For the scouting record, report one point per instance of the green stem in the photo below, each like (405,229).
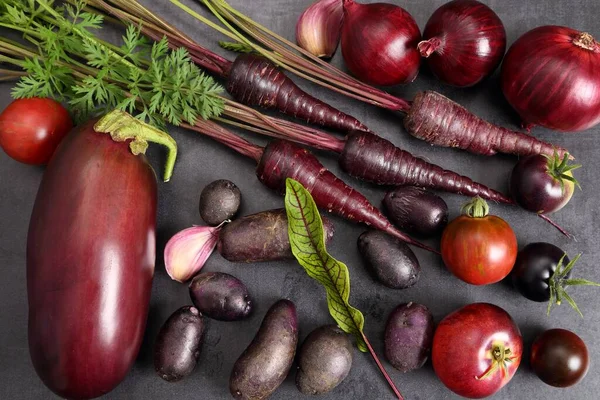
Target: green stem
(121,126)
(476,208)
(83,35)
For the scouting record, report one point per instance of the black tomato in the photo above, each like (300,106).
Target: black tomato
(535,265)
(559,358)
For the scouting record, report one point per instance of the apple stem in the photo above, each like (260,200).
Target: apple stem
(381,368)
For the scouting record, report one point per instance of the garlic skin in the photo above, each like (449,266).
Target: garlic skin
(319,27)
(187,251)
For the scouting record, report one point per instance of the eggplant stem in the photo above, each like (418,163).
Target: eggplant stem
(122,126)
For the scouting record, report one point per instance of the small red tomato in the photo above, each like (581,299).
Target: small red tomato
(478,248)
(559,358)
(31,129)
(477,350)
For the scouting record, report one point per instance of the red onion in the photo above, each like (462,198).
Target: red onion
(551,76)
(464,42)
(379,43)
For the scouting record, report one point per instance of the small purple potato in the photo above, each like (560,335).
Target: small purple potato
(265,363)
(260,237)
(219,201)
(220,296)
(324,360)
(416,211)
(408,336)
(390,260)
(177,346)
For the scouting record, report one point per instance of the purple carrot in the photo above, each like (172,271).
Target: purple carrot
(438,120)
(374,159)
(253,80)
(281,160)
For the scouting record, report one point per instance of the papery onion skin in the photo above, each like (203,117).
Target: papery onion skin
(464,42)
(553,82)
(379,43)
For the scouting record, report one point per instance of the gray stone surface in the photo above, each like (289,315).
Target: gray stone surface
(202,161)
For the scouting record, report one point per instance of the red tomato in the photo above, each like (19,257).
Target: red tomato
(31,129)
(477,350)
(477,248)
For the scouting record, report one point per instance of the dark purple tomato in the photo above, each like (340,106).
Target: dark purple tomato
(542,184)
(535,265)
(559,358)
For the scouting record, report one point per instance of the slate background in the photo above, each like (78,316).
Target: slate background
(202,161)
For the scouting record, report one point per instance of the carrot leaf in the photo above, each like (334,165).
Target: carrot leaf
(307,240)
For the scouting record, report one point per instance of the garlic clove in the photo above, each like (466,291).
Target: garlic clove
(187,251)
(319,27)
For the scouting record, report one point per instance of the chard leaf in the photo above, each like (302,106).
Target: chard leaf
(307,239)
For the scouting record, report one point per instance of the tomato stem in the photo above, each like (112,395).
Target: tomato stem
(476,208)
(501,357)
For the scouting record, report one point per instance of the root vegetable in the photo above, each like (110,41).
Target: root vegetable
(409,336)
(438,120)
(261,237)
(391,261)
(416,211)
(267,360)
(324,360)
(219,201)
(220,296)
(177,346)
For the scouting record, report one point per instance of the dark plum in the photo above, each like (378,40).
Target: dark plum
(261,237)
(177,346)
(265,363)
(219,201)
(390,260)
(408,336)
(416,210)
(324,360)
(220,296)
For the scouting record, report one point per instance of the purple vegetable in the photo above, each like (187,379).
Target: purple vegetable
(220,296)
(409,336)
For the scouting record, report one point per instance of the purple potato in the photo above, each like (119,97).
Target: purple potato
(390,260)
(177,346)
(260,237)
(408,336)
(265,363)
(220,296)
(219,201)
(324,360)
(416,211)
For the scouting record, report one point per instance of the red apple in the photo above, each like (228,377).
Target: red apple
(477,350)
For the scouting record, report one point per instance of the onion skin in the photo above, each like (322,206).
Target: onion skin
(379,43)
(464,42)
(553,82)
(90,264)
